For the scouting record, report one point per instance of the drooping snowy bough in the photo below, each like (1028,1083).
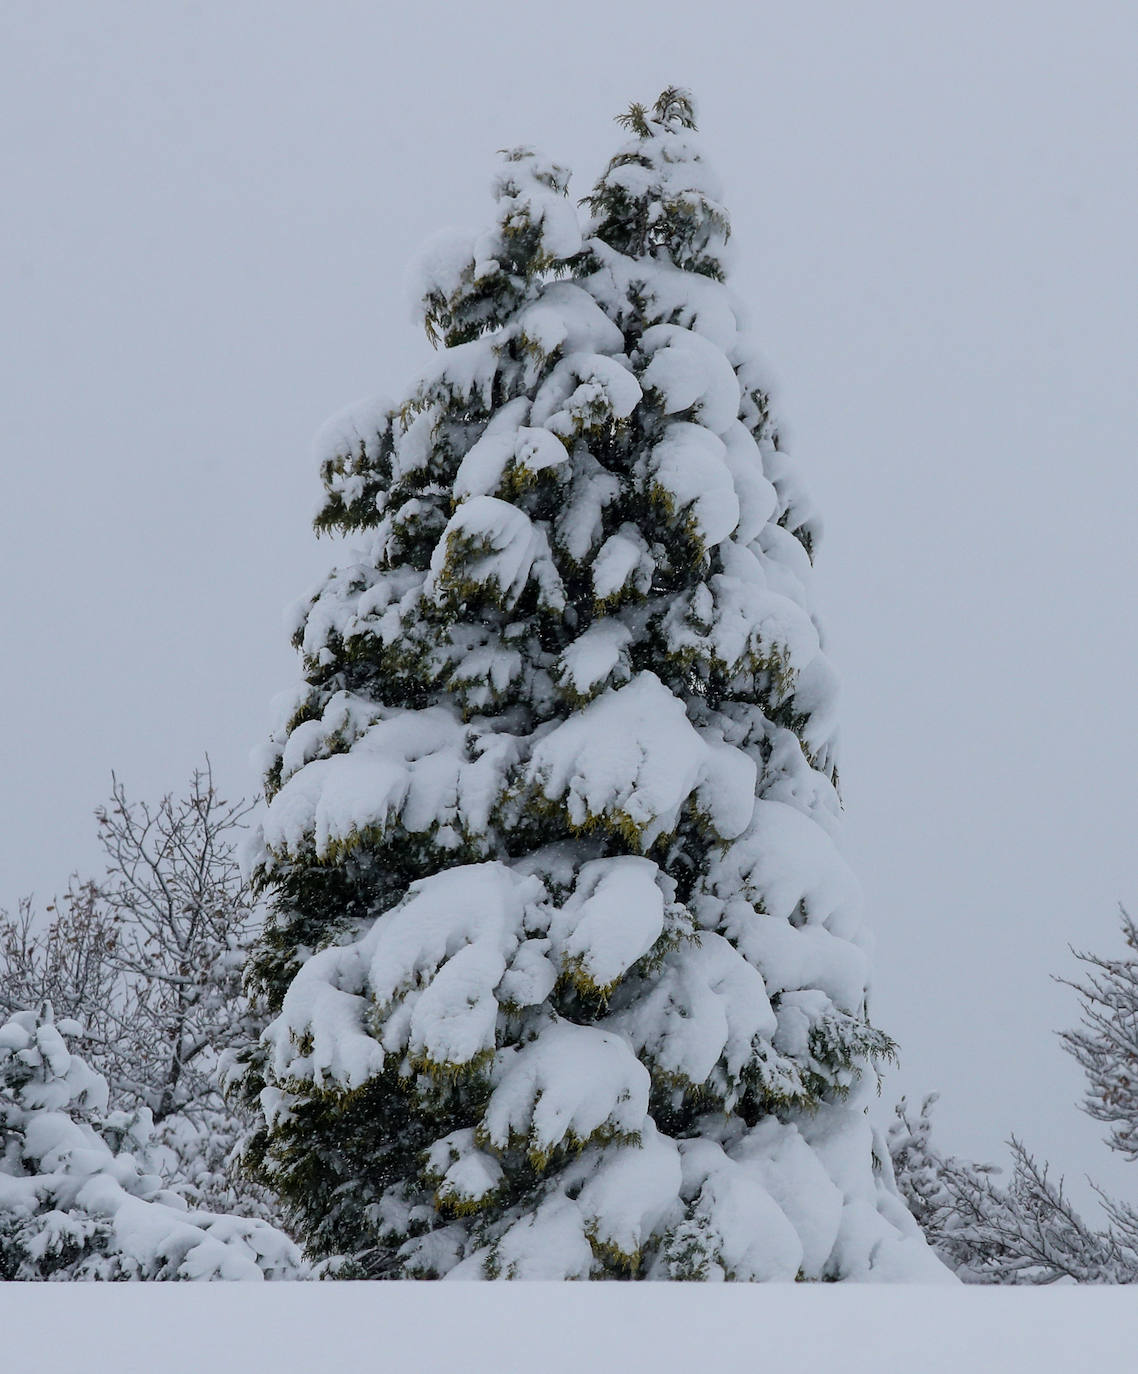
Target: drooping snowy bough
(568,973)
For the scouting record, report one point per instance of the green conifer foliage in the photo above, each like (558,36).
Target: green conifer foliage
(567,971)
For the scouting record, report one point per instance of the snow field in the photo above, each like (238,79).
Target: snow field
(427,1328)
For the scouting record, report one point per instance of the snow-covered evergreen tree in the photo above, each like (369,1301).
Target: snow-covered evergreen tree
(569,976)
(77,1197)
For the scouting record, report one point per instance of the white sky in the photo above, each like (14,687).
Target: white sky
(207,212)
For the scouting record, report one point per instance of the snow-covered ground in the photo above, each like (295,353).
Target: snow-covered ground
(511,1328)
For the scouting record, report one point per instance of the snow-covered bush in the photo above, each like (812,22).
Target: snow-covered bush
(77,1197)
(1105,1043)
(568,974)
(150,960)
(1029,1231)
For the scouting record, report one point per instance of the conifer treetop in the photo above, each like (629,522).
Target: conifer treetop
(657,197)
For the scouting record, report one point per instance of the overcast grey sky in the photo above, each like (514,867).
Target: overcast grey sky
(207,213)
